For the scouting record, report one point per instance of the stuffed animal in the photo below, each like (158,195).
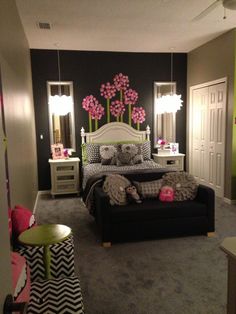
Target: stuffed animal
(132,194)
(108,154)
(166,194)
(129,154)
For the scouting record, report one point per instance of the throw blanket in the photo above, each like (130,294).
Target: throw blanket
(135,174)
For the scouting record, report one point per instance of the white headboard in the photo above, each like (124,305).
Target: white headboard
(114,132)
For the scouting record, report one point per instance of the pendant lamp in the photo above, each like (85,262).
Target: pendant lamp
(60,104)
(169,103)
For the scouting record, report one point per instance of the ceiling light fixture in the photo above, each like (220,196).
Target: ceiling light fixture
(60,104)
(169,103)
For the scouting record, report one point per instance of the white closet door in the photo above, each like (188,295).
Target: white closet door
(199,135)
(207,135)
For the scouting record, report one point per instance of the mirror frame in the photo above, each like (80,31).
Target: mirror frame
(163,122)
(58,83)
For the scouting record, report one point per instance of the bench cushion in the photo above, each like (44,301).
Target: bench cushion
(151,209)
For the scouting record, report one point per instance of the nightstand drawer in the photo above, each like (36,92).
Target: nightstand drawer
(65,168)
(66,187)
(64,177)
(172,161)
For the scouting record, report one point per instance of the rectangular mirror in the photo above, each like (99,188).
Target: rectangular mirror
(61,114)
(164,124)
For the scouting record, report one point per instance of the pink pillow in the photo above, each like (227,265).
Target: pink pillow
(22,219)
(21,278)
(166,194)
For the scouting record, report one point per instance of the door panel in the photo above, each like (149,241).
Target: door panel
(219,179)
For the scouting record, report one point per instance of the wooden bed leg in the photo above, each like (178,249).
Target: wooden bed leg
(106,244)
(211,234)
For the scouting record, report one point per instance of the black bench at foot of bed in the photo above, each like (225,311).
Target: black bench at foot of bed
(153,218)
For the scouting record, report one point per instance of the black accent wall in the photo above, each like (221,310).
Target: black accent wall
(88,70)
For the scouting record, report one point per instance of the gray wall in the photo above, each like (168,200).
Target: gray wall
(20,127)
(209,62)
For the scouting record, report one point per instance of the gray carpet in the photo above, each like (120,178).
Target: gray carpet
(179,275)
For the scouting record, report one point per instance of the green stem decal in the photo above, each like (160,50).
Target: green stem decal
(90,123)
(121,95)
(121,99)
(129,114)
(96,124)
(117,118)
(108,110)
(138,126)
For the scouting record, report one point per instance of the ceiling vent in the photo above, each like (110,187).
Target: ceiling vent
(44,25)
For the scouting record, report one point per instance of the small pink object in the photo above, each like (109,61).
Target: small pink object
(166,194)
(21,278)
(66,153)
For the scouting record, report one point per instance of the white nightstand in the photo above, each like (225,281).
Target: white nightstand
(173,161)
(64,176)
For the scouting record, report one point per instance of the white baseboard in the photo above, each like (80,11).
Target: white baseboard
(37,197)
(229,201)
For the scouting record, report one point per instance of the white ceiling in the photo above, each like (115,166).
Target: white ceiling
(122,25)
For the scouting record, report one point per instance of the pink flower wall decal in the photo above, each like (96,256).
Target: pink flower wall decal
(108,91)
(96,114)
(121,83)
(89,102)
(95,110)
(117,109)
(138,115)
(131,97)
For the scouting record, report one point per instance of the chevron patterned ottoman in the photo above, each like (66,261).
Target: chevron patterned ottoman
(62,260)
(56,296)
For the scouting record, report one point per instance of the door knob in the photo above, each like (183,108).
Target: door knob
(10,306)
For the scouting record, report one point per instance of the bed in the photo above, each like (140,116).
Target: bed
(121,136)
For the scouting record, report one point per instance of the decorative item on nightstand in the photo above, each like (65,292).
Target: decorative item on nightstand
(161,143)
(57,151)
(174,148)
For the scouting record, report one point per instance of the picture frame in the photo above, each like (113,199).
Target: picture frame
(57,151)
(174,148)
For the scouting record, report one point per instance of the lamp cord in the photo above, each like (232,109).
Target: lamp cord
(59,71)
(171,72)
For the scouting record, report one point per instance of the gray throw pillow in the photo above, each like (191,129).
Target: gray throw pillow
(184,184)
(149,189)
